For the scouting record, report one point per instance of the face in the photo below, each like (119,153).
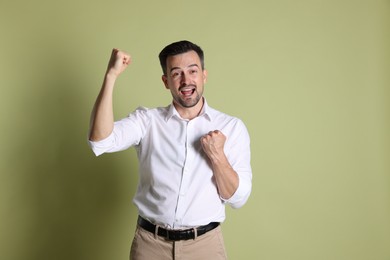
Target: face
(185,79)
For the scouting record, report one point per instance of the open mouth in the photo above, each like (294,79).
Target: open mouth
(187,91)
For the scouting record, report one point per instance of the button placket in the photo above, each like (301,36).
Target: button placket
(190,151)
(180,208)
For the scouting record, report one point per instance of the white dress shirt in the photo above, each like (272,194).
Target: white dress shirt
(176,187)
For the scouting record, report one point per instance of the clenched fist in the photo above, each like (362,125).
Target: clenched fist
(213,144)
(118,62)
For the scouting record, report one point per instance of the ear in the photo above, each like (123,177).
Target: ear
(165,80)
(204,76)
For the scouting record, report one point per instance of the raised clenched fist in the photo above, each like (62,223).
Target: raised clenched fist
(213,143)
(118,62)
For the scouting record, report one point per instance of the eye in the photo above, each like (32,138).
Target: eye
(175,74)
(193,71)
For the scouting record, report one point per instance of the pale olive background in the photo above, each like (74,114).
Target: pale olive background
(309,78)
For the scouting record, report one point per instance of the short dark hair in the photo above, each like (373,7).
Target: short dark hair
(179,48)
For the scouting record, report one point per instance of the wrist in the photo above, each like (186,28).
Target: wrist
(218,158)
(111,75)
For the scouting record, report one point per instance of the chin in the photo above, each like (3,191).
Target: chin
(191,103)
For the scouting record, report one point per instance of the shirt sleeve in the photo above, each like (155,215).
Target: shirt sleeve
(239,155)
(127,132)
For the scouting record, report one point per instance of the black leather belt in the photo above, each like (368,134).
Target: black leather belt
(176,235)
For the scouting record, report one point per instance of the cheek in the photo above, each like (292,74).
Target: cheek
(170,84)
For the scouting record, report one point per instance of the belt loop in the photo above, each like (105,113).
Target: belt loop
(156,231)
(195,233)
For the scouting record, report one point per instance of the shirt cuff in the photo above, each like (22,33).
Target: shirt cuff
(241,195)
(102,146)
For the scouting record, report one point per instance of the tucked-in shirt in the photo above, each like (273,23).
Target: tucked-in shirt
(176,186)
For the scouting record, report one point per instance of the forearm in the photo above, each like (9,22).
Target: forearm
(102,117)
(225,176)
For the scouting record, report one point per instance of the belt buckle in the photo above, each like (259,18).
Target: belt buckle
(171,235)
(178,235)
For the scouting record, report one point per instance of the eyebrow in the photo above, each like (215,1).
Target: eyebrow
(192,65)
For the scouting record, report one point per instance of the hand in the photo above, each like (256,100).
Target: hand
(118,62)
(213,144)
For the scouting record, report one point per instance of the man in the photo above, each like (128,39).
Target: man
(192,159)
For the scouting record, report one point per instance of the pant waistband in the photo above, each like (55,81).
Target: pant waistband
(176,235)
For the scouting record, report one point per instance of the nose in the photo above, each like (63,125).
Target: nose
(184,79)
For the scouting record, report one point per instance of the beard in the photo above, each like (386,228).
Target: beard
(188,102)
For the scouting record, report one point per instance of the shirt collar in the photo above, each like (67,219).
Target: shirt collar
(207,111)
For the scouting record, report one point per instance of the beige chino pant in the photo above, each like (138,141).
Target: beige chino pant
(147,246)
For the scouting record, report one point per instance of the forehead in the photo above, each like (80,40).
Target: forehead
(183,60)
